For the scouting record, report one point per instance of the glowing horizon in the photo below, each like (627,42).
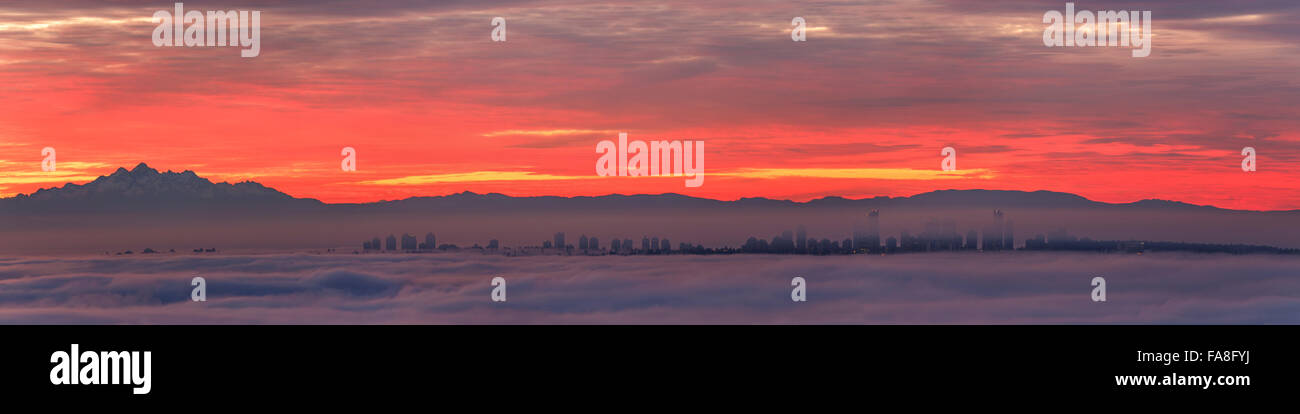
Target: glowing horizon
(861,109)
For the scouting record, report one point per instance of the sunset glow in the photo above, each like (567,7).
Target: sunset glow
(861,109)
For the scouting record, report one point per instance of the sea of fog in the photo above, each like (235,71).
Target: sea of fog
(941,288)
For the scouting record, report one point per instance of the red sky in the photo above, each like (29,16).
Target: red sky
(861,109)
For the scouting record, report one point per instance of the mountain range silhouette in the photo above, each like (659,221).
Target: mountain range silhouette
(143,187)
(145,207)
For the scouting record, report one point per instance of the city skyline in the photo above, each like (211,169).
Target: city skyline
(938,236)
(929,241)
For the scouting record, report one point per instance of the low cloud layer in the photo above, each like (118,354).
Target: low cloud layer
(972,288)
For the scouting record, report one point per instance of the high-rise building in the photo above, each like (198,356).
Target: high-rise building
(972,240)
(1008,239)
(801,240)
(593,243)
(665,246)
(873,232)
(559,240)
(582,242)
(627,245)
(906,242)
(431,241)
(784,243)
(390,243)
(993,234)
(992,240)
(645,243)
(931,236)
(998,228)
(375,244)
(950,239)
(654,243)
(859,234)
(408,242)
(494,244)
(614,246)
